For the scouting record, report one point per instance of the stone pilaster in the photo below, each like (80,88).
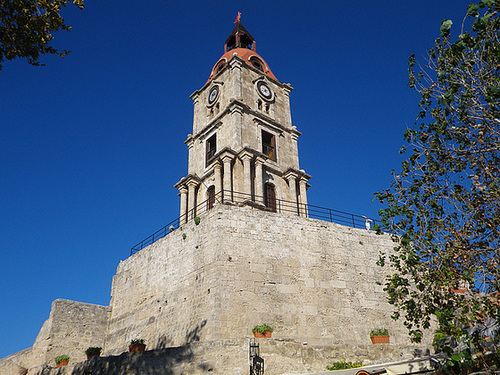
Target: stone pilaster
(291,177)
(183,193)
(246,158)
(218,182)
(227,160)
(259,183)
(191,199)
(303,197)
(191,155)
(235,65)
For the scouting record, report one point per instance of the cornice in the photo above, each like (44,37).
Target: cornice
(190,178)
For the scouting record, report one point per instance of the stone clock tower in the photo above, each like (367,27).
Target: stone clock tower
(195,293)
(243,149)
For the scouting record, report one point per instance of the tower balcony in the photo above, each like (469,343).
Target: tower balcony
(267,203)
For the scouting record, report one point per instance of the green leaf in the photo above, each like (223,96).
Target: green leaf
(472,10)
(445,27)
(486,3)
(493,91)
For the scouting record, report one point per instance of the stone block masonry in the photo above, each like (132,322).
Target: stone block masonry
(314,282)
(71,328)
(202,289)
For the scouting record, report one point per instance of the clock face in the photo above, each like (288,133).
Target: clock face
(265,90)
(214,93)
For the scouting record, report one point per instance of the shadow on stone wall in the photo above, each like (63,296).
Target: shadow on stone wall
(192,336)
(171,361)
(161,361)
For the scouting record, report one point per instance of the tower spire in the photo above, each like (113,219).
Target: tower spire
(239,37)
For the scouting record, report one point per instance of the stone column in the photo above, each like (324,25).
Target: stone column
(292,183)
(191,199)
(303,197)
(259,184)
(246,157)
(183,193)
(228,192)
(218,182)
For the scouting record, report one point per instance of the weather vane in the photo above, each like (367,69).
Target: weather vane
(237,18)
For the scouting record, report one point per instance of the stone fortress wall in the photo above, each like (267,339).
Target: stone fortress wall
(315,282)
(71,328)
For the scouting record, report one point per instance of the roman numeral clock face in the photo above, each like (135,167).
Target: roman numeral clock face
(264,90)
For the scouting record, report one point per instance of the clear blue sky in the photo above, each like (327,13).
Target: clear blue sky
(92,144)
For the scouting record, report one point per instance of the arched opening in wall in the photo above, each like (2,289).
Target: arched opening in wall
(270,196)
(210,197)
(257,64)
(219,67)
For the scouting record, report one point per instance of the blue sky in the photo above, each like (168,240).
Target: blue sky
(92,144)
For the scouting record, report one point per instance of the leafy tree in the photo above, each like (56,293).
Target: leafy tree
(443,207)
(26,28)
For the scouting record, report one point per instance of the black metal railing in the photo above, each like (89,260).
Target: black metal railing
(174,224)
(278,206)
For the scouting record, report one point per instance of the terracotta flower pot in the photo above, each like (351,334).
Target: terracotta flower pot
(265,335)
(62,363)
(137,348)
(380,339)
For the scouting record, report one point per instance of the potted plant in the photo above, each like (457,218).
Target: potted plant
(93,352)
(263,330)
(379,336)
(62,360)
(137,345)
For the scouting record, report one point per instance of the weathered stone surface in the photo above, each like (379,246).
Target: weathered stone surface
(159,362)
(314,282)
(71,328)
(16,364)
(255,142)
(222,357)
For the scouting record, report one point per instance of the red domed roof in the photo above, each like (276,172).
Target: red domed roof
(250,57)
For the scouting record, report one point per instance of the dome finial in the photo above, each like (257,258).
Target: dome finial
(237,18)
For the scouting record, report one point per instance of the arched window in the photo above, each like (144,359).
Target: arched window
(221,66)
(270,197)
(257,64)
(210,197)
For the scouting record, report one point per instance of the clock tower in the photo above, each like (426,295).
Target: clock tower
(243,149)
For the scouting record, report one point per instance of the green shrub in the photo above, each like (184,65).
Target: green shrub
(93,350)
(61,358)
(197,220)
(137,342)
(379,332)
(263,328)
(342,365)
(438,336)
